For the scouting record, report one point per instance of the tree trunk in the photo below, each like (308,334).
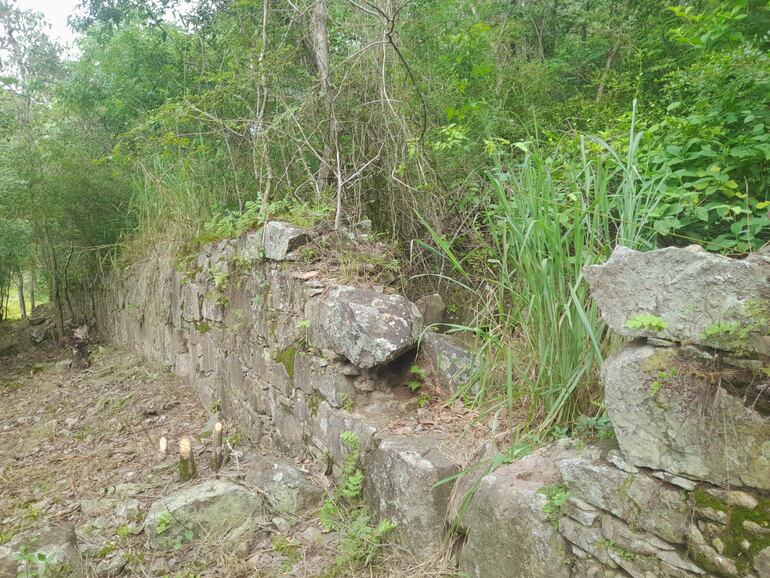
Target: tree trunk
(22,304)
(320,41)
(32,285)
(67,284)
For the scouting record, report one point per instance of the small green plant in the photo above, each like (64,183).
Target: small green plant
(344,512)
(593,427)
(423,400)
(661,379)
(419,377)
(646,321)
(228,224)
(163,523)
(38,564)
(302,324)
(555,496)
(346,402)
(721,329)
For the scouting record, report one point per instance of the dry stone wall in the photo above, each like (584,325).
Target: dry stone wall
(296,359)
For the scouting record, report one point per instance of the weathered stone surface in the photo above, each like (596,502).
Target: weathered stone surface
(57,546)
(452,362)
(402,472)
(679,425)
(647,503)
(762,563)
(432,309)
(313,373)
(288,489)
(507,532)
(215,508)
(367,327)
(281,238)
(700,297)
(328,423)
(589,539)
(697,544)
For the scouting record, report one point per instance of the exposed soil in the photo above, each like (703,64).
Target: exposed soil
(80,448)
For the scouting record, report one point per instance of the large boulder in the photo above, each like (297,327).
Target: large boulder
(214,509)
(401,486)
(506,529)
(281,238)
(686,295)
(670,413)
(367,327)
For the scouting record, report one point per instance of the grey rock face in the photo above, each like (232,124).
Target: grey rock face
(288,489)
(678,423)
(452,362)
(507,531)
(762,563)
(215,508)
(367,327)
(281,238)
(651,504)
(402,472)
(694,296)
(432,309)
(315,374)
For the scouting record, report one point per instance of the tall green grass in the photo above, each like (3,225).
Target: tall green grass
(541,340)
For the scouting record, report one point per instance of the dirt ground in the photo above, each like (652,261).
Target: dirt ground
(79,448)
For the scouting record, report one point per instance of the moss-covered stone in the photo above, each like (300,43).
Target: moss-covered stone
(736,535)
(286,357)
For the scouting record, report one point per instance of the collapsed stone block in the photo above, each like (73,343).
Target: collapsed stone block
(402,474)
(452,362)
(504,523)
(281,238)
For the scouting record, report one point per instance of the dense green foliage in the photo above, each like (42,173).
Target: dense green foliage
(514,141)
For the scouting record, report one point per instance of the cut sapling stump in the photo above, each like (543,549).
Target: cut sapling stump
(186,466)
(163,446)
(216,450)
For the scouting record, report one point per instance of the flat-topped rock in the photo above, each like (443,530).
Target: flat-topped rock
(52,552)
(367,327)
(281,238)
(686,295)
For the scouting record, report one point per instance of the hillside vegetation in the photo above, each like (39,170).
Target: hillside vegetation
(497,146)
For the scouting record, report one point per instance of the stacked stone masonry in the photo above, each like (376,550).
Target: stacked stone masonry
(683,492)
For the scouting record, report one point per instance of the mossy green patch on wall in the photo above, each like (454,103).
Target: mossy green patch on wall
(741,544)
(286,357)
(647,321)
